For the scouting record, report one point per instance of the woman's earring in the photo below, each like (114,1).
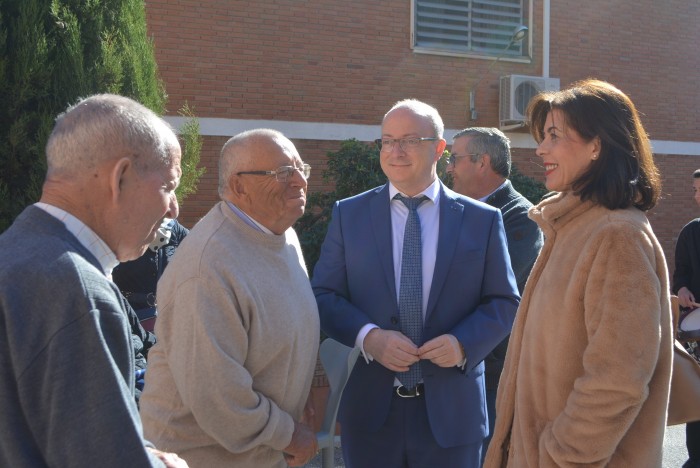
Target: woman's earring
(595,156)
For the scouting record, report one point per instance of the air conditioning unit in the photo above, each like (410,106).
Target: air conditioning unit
(516,92)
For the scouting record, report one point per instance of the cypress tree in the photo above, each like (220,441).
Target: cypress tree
(53,52)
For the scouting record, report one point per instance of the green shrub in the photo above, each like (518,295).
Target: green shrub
(528,187)
(191,142)
(353,169)
(53,52)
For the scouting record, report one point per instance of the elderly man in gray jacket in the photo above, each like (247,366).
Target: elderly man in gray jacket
(66,357)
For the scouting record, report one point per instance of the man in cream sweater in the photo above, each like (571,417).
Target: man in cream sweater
(238,328)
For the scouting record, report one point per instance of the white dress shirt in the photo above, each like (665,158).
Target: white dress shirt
(429,215)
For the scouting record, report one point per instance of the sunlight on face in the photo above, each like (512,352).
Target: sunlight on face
(565,154)
(413,170)
(277,205)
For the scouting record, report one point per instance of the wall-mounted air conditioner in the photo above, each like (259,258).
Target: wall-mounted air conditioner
(516,92)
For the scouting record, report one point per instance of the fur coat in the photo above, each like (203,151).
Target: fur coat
(587,375)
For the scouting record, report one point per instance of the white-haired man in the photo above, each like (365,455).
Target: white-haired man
(238,329)
(66,356)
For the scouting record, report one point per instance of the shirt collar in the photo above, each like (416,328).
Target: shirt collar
(432,191)
(247,219)
(85,236)
(483,199)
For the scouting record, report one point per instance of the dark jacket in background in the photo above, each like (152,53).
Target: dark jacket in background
(687,272)
(137,278)
(524,243)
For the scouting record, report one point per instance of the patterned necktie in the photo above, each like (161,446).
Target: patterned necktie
(411,286)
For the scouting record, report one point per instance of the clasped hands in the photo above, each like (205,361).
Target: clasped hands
(397,352)
(304,445)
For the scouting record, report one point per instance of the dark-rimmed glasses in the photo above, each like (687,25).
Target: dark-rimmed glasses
(406,144)
(452,160)
(283,173)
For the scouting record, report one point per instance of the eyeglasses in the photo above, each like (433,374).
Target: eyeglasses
(452,160)
(283,173)
(406,144)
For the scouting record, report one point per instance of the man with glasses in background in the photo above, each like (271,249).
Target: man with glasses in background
(480,165)
(418,277)
(238,328)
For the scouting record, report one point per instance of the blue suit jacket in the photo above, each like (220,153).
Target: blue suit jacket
(473,296)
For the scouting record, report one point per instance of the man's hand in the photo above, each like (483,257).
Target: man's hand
(303,446)
(443,351)
(171,460)
(686,298)
(391,349)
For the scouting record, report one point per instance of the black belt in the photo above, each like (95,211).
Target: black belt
(144,299)
(403,392)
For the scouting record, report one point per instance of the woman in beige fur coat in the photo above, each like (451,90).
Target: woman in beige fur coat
(587,375)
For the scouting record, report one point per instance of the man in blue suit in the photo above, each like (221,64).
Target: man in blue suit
(468,297)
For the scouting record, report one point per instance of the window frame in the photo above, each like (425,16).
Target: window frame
(526,56)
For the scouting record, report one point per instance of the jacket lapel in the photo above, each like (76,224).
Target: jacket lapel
(451,213)
(380,216)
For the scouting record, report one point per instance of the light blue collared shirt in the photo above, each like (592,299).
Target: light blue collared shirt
(429,214)
(247,219)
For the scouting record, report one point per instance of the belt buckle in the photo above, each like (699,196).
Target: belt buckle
(151,299)
(403,392)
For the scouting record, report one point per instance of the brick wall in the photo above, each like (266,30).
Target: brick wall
(332,60)
(347,62)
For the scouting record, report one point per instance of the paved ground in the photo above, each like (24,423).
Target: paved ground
(675,453)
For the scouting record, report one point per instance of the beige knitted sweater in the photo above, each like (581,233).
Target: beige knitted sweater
(587,375)
(238,335)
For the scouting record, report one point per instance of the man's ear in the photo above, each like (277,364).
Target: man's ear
(485,161)
(440,149)
(236,186)
(119,177)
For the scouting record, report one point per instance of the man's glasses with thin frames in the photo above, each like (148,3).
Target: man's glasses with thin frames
(452,160)
(406,144)
(283,173)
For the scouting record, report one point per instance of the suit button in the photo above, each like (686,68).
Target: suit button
(394,320)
